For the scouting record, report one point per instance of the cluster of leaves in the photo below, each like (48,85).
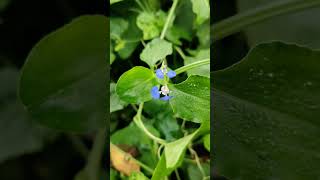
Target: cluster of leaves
(151,138)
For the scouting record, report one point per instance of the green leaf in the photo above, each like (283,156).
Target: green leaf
(119,26)
(200,55)
(134,86)
(203,34)
(18,135)
(175,33)
(151,23)
(175,151)
(156,50)
(114,1)
(202,9)
(164,120)
(191,99)
(131,36)
(206,142)
(161,170)
(185,20)
(125,35)
(194,172)
(63,82)
(303,25)
(115,103)
(267,109)
(137,176)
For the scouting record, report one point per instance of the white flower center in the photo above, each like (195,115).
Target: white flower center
(165,90)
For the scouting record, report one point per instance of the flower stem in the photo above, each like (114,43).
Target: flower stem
(168,20)
(192,65)
(238,22)
(139,123)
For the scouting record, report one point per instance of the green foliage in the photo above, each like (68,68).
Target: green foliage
(156,50)
(266,106)
(202,9)
(134,85)
(56,81)
(162,132)
(151,23)
(192,99)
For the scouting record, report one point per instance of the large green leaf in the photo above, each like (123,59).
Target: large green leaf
(156,50)
(64,80)
(191,99)
(267,115)
(134,86)
(300,27)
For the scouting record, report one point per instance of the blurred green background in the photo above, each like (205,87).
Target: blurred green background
(28,150)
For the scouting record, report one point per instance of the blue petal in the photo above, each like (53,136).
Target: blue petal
(159,74)
(171,74)
(155,92)
(166,98)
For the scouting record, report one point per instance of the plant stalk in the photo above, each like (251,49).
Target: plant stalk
(169,18)
(139,123)
(240,21)
(192,65)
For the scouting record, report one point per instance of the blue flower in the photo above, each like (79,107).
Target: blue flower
(171,74)
(155,92)
(160,73)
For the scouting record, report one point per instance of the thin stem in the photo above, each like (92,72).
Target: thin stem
(79,145)
(140,5)
(139,123)
(194,153)
(192,65)
(177,174)
(93,166)
(240,21)
(178,49)
(169,18)
(147,168)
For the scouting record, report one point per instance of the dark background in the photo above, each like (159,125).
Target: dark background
(22,24)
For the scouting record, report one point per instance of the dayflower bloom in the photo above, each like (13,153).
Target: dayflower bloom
(164,91)
(163,94)
(160,73)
